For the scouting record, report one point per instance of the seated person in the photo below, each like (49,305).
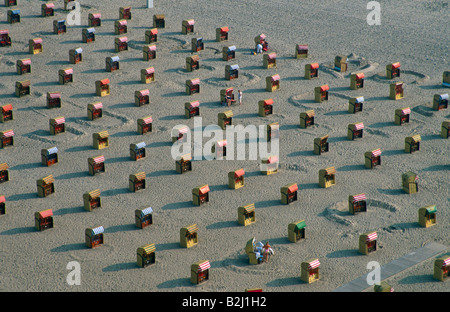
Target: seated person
(265,45)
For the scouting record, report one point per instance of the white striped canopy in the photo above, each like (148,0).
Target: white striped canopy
(376,152)
(359,197)
(204,266)
(98,230)
(60,120)
(146,211)
(314,264)
(52,150)
(148,120)
(359,126)
(98,105)
(8,133)
(406,111)
(371,237)
(99,159)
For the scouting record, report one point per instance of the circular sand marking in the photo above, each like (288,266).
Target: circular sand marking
(381,204)
(337,213)
(293,167)
(244,79)
(239,263)
(300,100)
(405,76)
(377,132)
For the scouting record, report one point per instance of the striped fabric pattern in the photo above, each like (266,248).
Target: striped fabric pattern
(203,266)
(194,104)
(204,189)
(148,120)
(150,70)
(98,159)
(406,111)
(330,170)
(59,120)
(359,126)
(48,179)
(359,197)
(94,194)
(144,92)
(139,176)
(52,150)
(8,133)
(4,166)
(148,249)
(191,229)
(314,264)
(98,105)
(446,262)
(195,81)
(376,152)
(275,77)
(97,230)
(146,211)
(103,134)
(371,237)
(249,208)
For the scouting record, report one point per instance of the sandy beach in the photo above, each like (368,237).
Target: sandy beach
(415,35)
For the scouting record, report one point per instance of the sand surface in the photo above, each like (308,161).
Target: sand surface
(412,32)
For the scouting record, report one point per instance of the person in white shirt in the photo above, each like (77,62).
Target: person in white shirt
(240,97)
(259,48)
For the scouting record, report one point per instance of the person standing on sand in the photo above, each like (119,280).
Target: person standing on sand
(240,97)
(266,251)
(259,48)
